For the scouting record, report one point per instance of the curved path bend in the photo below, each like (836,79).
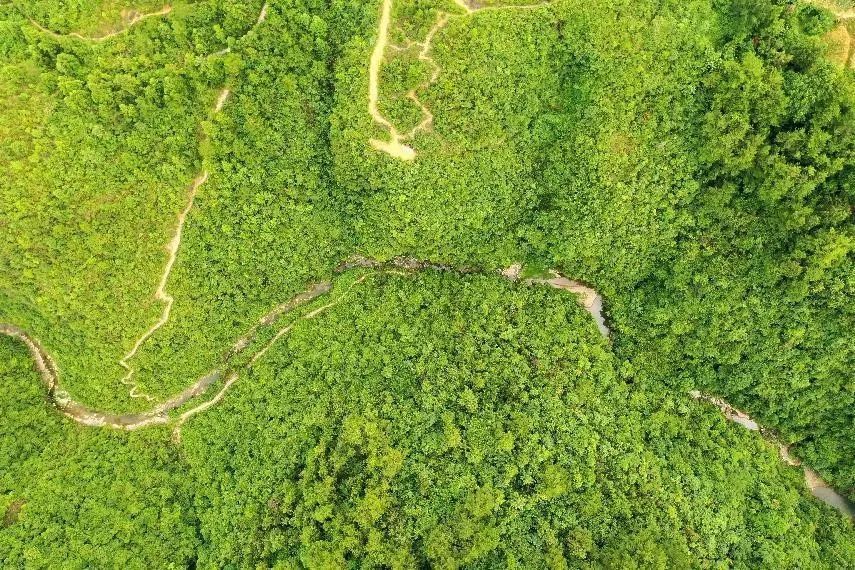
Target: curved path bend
(395,145)
(135,19)
(262,17)
(84,415)
(90,417)
(819,488)
(159,415)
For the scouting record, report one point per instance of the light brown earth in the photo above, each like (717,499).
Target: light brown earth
(839,44)
(395,145)
(840,41)
(131,19)
(819,488)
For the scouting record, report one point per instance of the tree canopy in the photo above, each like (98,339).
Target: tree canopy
(176,178)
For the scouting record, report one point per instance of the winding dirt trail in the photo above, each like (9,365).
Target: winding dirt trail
(158,414)
(818,488)
(160,294)
(402,265)
(424,55)
(588,298)
(135,19)
(395,145)
(314,292)
(86,416)
(262,17)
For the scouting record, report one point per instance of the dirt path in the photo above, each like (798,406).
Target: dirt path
(424,55)
(588,298)
(314,292)
(134,20)
(819,488)
(160,294)
(221,102)
(93,418)
(159,415)
(262,17)
(395,145)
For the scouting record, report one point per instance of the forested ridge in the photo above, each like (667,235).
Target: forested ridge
(693,162)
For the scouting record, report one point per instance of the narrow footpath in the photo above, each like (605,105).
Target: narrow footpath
(587,297)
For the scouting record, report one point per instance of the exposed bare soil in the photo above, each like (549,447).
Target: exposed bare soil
(395,145)
(131,18)
(819,488)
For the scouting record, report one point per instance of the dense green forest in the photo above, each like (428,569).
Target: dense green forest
(448,421)
(182,182)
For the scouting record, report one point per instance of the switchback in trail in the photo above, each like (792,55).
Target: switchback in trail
(159,415)
(395,145)
(132,20)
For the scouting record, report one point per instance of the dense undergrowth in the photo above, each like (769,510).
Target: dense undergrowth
(694,161)
(448,421)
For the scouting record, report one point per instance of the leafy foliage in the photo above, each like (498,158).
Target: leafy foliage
(83,497)
(692,160)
